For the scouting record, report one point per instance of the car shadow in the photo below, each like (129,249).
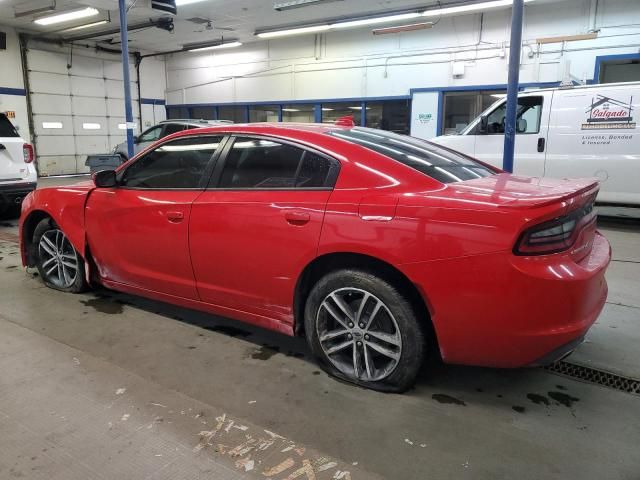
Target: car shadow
(444,383)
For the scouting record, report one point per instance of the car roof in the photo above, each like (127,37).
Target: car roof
(269,128)
(193,121)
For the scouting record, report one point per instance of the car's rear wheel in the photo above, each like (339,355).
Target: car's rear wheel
(365,331)
(59,264)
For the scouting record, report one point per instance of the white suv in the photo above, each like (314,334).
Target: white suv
(18,174)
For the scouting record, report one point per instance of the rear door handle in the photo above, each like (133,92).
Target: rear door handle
(175,217)
(541,143)
(297,218)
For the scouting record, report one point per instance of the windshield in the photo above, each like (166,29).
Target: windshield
(6,128)
(427,158)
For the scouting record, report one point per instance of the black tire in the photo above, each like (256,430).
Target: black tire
(397,309)
(78,283)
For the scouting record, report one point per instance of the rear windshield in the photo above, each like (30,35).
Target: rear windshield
(427,158)
(6,128)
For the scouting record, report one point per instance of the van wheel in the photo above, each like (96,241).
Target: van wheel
(363,330)
(59,264)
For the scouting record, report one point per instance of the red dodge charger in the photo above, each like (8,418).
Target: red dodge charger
(375,246)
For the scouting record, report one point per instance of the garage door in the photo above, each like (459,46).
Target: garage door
(77,110)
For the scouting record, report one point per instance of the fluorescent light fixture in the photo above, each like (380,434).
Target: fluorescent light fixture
(34,11)
(123,126)
(359,22)
(91,126)
(470,8)
(215,47)
(180,3)
(52,125)
(82,27)
(402,28)
(290,110)
(375,20)
(290,4)
(294,31)
(67,16)
(324,109)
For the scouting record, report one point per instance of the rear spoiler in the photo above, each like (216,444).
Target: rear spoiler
(581,196)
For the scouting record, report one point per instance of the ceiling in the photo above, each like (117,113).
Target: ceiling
(231,19)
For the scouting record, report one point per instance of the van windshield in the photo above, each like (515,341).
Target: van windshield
(432,160)
(6,127)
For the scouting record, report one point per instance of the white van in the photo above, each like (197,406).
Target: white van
(585,131)
(18,174)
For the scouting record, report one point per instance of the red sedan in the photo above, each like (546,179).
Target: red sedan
(375,246)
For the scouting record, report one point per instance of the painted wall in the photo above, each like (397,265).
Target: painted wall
(12,96)
(357,64)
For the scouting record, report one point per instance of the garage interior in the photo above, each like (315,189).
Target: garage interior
(108,385)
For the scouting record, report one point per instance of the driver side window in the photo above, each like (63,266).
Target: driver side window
(175,165)
(528,117)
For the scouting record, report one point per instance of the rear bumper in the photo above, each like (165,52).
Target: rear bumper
(559,353)
(14,193)
(499,310)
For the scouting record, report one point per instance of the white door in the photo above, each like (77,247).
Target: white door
(594,133)
(78,108)
(531,135)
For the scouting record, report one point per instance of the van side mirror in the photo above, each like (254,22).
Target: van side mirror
(483,126)
(521,125)
(105,179)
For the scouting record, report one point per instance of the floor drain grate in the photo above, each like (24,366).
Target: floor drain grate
(598,377)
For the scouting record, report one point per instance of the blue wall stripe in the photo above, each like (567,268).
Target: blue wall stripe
(13,91)
(292,102)
(153,101)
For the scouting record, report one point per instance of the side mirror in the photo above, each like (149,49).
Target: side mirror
(136,140)
(105,179)
(483,126)
(521,125)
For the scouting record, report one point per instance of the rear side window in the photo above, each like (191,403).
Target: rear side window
(174,165)
(6,127)
(172,128)
(263,164)
(440,164)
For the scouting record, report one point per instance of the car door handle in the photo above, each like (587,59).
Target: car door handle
(297,218)
(541,143)
(175,217)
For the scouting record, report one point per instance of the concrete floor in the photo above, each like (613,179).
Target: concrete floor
(107,386)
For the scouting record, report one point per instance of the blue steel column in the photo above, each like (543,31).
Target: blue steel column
(124,42)
(512,88)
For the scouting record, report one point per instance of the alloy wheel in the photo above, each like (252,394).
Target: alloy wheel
(59,260)
(359,334)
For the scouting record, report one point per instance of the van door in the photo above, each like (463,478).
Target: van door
(531,135)
(594,133)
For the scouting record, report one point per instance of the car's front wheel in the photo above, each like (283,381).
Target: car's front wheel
(59,264)
(365,331)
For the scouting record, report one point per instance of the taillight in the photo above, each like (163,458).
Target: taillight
(556,235)
(27,152)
